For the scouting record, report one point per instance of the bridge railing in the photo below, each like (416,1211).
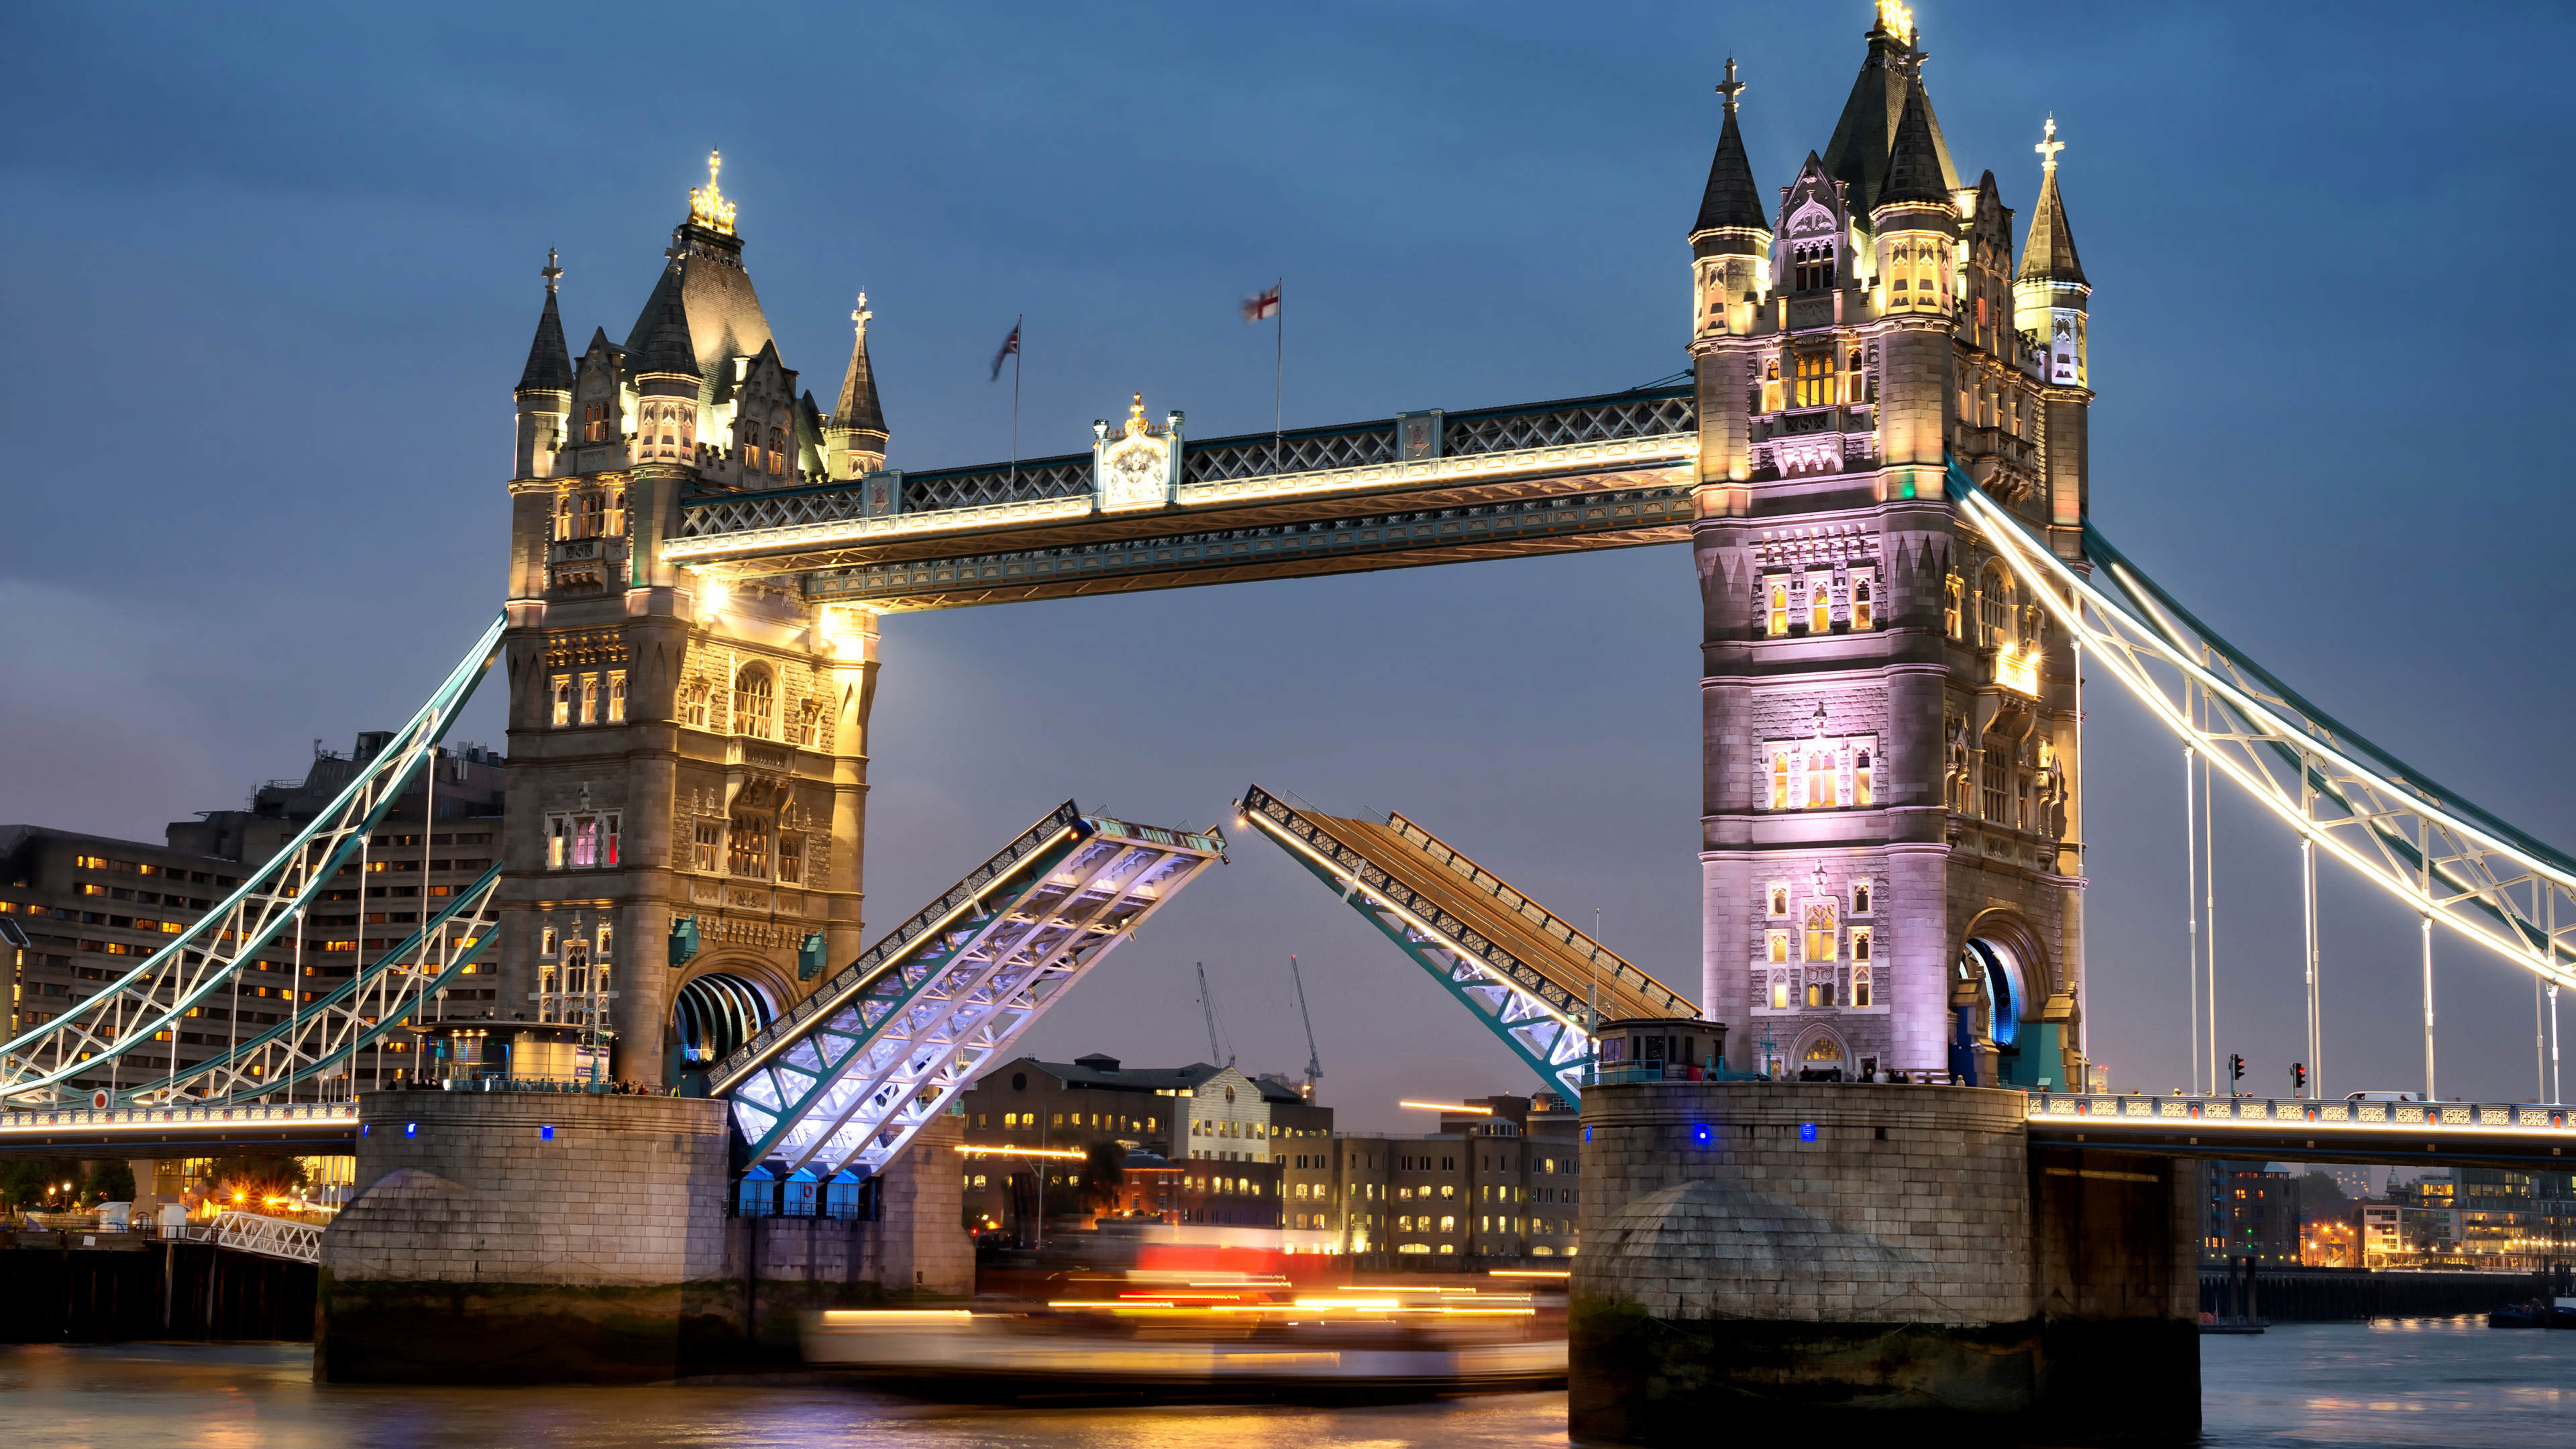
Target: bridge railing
(2445,1117)
(213,1118)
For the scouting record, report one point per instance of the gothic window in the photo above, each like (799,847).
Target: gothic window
(1860,898)
(616,526)
(2021,802)
(791,858)
(562,700)
(1950,594)
(1820,931)
(1813,266)
(558,844)
(755,702)
(1815,379)
(1820,613)
(1860,604)
(804,727)
(1820,993)
(777,452)
(1771,385)
(693,705)
(546,941)
(749,855)
(1995,791)
(1860,789)
(1779,947)
(617,696)
(594,422)
(589,710)
(563,515)
(1995,609)
(585,842)
(1779,610)
(594,514)
(1779,898)
(1820,777)
(1860,994)
(1779,991)
(708,836)
(1780,797)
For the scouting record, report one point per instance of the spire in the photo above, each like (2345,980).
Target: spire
(708,208)
(667,348)
(2048,255)
(1731,198)
(858,407)
(1890,76)
(549,366)
(1915,171)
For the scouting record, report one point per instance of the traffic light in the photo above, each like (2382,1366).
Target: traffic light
(2298,1079)
(2235,1069)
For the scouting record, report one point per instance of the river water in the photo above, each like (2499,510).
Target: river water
(2431,1382)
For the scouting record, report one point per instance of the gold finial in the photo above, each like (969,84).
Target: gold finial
(708,208)
(1732,87)
(860,314)
(1896,19)
(1136,424)
(2049,145)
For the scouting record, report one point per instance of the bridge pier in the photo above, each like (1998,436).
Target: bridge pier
(1876,1259)
(546,1237)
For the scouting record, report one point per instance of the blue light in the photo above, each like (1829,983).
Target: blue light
(411,1129)
(1587,1134)
(1699,1134)
(545,1134)
(366,1127)
(1806,1131)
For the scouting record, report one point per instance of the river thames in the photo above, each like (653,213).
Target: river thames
(2398,1382)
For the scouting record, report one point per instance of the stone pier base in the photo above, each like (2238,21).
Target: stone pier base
(1829,1260)
(530,1237)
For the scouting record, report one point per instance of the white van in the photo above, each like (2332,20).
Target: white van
(2379,1097)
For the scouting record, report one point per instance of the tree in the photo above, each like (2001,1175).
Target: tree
(110,1180)
(36,1182)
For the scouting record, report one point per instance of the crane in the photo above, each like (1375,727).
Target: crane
(1314,1064)
(1208,1005)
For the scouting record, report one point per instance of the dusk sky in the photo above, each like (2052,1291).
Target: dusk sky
(272,272)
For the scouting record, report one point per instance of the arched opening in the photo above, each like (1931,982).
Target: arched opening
(1994,971)
(711,1015)
(755,702)
(1822,1057)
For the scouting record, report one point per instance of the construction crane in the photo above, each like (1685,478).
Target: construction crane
(1314,1064)
(1208,1004)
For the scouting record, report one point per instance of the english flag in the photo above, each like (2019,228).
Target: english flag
(1263,307)
(1010,348)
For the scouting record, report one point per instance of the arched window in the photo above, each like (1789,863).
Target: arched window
(563,515)
(1860,604)
(1860,792)
(777,452)
(1779,948)
(1995,610)
(755,703)
(1812,267)
(1820,931)
(1820,778)
(1820,609)
(1780,785)
(1779,611)
(594,514)
(748,852)
(1951,592)
(693,706)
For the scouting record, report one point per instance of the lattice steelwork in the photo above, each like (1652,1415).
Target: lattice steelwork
(1537,983)
(1557,425)
(113,1032)
(1065,477)
(269,1237)
(318,1039)
(1306,452)
(2424,844)
(846,1078)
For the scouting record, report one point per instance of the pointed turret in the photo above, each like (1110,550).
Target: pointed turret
(2049,291)
(2049,254)
(1890,76)
(1916,171)
(1731,240)
(544,393)
(667,379)
(855,438)
(667,348)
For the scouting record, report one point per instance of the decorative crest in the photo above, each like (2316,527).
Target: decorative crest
(708,208)
(1731,87)
(1137,427)
(1897,19)
(860,314)
(2049,145)
(551,271)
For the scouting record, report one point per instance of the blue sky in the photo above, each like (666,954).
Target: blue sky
(271,273)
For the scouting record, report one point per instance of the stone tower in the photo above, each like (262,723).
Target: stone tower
(1891,854)
(688,755)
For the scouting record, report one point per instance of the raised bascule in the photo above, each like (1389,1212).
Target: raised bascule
(1879,466)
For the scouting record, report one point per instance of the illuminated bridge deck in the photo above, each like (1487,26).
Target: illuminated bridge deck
(192,1131)
(2513,1135)
(1605,472)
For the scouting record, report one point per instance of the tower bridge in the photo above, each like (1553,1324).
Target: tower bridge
(1879,466)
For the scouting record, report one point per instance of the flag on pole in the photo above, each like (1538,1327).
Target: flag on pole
(1263,307)
(1010,348)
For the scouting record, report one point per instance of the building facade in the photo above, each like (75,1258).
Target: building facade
(1892,847)
(688,760)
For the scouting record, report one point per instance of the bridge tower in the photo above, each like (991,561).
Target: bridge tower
(1892,841)
(688,758)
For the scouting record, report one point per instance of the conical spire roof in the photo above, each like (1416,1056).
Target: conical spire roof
(1731,198)
(1915,171)
(549,366)
(667,346)
(1889,77)
(2049,253)
(858,407)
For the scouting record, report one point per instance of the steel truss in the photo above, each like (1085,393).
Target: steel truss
(2429,847)
(123,1022)
(321,1037)
(269,1237)
(1546,1022)
(846,1078)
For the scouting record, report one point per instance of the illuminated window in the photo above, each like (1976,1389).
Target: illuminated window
(1860,604)
(1819,994)
(1995,609)
(585,841)
(791,858)
(1859,984)
(616,512)
(563,515)
(1950,592)
(1812,267)
(1820,931)
(594,422)
(558,844)
(1860,789)
(1814,382)
(1779,991)
(693,704)
(562,700)
(617,696)
(777,452)
(1771,386)
(1779,610)
(1779,943)
(1780,795)
(589,712)
(594,514)
(1820,610)
(546,941)
(755,702)
(748,854)
(709,836)
(1820,778)
(1995,790)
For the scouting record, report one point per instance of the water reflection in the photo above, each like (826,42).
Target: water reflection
(2395,1381)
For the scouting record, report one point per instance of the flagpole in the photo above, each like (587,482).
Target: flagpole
(1279,372)
(1017,355)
